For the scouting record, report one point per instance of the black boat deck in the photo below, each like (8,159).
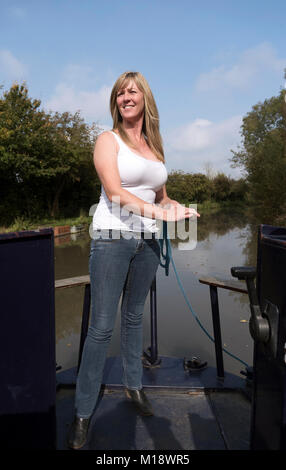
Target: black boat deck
(193,411)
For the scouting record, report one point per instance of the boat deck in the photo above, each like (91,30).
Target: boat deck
(193,411)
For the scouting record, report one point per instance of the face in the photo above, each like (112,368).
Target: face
(130,101)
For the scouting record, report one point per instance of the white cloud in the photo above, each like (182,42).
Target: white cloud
(79,90)
(195,144)
(11,68)
(93,105)
(251,66)
(204,141)
(80,76)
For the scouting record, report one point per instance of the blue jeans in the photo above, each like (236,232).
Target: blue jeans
(116,266)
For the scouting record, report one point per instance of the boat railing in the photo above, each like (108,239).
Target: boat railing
(151,357)
(214,284)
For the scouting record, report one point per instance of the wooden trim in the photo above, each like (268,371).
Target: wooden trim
(224,284)
(72,282)
(210,281)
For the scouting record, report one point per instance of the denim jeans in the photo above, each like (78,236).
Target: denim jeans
(116,266)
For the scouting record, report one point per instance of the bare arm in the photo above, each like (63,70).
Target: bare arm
(105,161)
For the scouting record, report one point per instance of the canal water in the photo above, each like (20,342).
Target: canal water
(223,240)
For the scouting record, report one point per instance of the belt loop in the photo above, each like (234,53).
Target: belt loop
(148,235)
(114,234)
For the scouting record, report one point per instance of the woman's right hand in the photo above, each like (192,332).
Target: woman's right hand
(178,212)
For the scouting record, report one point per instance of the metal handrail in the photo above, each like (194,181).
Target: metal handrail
(213,284)
(151,358)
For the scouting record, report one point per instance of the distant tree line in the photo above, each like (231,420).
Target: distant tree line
(46,165)
(197,187)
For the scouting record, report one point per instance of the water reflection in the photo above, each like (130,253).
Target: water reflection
(223,240)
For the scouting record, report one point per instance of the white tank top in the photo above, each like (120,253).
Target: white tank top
(139,176)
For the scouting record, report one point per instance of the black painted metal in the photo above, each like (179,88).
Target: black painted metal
(217,331)
(153,309)
(268,423)
(258,325)
(268,429)
(152,359)
(27,341)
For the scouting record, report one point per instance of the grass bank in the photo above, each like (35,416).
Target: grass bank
(20,223)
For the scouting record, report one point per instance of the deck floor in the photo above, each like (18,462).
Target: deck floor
(183,420)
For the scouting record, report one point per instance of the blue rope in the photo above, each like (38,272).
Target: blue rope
(167,257)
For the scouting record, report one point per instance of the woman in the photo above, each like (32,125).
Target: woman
(124,257)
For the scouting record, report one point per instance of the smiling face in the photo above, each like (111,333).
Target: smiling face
(130,101)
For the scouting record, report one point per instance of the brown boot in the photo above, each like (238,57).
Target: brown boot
(140,401)
(78,433)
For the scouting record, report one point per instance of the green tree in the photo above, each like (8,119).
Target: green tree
(201,187)
(188,187)
(41,155)
(70,156)
(176,186)
(263,157)
(238,190)
(221,187)
(20,124)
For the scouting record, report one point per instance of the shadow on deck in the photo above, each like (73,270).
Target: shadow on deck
(194,412)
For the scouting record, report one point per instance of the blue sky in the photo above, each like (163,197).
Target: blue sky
(207,63)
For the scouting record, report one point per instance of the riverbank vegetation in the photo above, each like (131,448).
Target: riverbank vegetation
(262,156)
(47,176)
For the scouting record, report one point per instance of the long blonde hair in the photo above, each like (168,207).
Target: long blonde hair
(150,126)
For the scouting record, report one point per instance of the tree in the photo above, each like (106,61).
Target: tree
(41,154)
(70,156)
(188,187)
(202,187)
(20,124)
(263,157)
(221,187)
(175,186)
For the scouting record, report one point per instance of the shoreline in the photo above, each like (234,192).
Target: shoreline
(21,224)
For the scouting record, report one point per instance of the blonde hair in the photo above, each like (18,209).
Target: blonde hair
(150,126)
